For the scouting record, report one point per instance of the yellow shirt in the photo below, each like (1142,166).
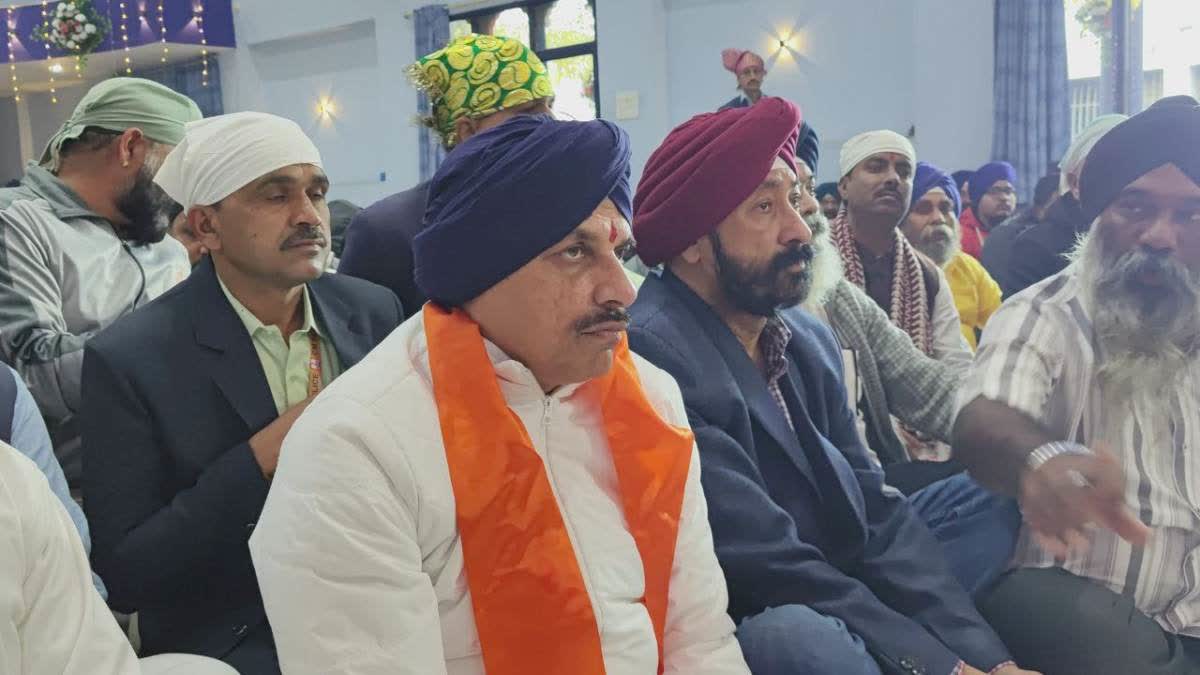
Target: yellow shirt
(285,362)
(976,295)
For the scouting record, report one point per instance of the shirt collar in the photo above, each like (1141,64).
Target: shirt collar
(773,344)
(517,381)
(253,325)
(65,201)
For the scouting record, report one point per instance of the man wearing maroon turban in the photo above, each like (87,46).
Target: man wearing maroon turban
(829,570)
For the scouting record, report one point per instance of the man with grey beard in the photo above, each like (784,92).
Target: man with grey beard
(1084,402)
(931,225)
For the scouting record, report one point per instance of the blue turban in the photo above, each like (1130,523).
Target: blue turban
(927,177)
(988,175)
(504,196)
(826,189)
(808,147)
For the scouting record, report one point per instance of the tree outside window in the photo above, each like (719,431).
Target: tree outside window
(562,33)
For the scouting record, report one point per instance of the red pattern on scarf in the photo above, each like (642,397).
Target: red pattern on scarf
(910,303)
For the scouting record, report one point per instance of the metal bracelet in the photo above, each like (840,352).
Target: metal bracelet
(1047,452)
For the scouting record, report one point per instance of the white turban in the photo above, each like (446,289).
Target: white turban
(220,155)
(870,143)
(1072,162)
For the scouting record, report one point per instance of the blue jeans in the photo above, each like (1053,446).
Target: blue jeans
(795,640)
(977,529)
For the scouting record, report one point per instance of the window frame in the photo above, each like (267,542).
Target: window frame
(537,10)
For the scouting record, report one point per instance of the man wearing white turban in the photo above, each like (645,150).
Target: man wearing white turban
(187,401)
(877,181)
(1041,251)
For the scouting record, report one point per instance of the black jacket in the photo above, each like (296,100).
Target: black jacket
(172,394)
(379,244)
(1041,251)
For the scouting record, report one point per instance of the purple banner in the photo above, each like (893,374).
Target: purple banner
(179,24)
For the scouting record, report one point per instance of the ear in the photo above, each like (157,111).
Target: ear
(842,183)
(694,253)
(464,128)
(131,147)
(204,223)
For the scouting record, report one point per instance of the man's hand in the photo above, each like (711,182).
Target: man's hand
(267,442)
(1070,493)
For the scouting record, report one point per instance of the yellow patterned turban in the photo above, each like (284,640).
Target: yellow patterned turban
(476,76)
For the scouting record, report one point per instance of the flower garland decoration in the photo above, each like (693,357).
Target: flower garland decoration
(74,27)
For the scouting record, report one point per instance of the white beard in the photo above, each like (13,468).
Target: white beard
(1146,348)
(826,264)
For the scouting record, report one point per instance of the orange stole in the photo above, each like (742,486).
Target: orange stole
(531,606)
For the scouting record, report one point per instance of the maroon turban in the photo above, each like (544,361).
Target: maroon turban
(704,169)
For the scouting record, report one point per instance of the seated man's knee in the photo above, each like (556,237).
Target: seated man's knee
(1057,622)
(795,640)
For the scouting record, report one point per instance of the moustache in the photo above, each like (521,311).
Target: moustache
(800,253)
(309,234)
(611,315)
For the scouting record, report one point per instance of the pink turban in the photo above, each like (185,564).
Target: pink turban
(732,59)
(704,169)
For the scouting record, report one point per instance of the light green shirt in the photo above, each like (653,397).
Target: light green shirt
(285,362)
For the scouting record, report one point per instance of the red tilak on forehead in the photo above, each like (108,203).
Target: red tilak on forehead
(612,232)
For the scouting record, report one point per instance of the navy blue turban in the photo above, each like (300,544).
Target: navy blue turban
(826,189)
(1162,134)
(927,177)
(961,178)
(988,175)
(808,148)
(504,196)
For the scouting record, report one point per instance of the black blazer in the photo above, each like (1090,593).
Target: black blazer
(379,244)
(172,394)
(803,517)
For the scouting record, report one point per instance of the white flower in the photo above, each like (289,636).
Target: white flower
(70,44)
(90,29)
(56,23)
(80,18)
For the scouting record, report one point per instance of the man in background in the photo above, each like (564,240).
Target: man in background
(750,70)
(379,238)
(830,199)
(82,240)
(993,189)
(932,227)
(996,256)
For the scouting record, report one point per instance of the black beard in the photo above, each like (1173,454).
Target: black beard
(760,290)
(146,206)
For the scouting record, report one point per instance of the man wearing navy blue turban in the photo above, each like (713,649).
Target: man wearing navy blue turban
(444,503)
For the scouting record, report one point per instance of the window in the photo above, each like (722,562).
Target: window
(1125,57)
(562,32)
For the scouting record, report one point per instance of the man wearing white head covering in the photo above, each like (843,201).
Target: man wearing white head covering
(188,400)
(876,186)
(1041,251)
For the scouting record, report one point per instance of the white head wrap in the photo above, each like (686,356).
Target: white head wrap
(1072,162)
(870,143)
(220,155)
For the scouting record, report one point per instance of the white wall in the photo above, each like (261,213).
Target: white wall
(864,64)
(353,51)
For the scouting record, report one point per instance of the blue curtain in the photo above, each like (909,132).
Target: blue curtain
(432,26)
(187,78)
(1032,106)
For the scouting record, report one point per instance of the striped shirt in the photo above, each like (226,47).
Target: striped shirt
(1039,355)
